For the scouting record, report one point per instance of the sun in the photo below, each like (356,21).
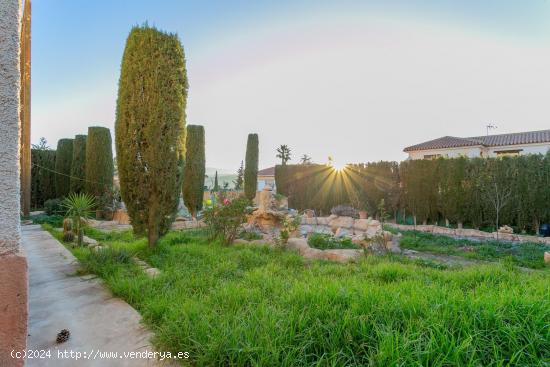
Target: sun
(339,166)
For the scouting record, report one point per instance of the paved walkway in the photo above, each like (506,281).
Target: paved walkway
(59,299)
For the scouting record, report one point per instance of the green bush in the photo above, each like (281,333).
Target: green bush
(323,241)
(99,161)
(193,178)
(63,162)
(53,206)
(42,176)
(224,220)
(251,167)
(150,129)
(78,166)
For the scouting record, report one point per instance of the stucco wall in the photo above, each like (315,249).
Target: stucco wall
(472,152)
(13,265)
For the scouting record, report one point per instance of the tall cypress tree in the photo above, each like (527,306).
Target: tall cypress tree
(251,167)
(63,162)
(216,185)
(150,129)
(193,178)
(78,167)
(99,161)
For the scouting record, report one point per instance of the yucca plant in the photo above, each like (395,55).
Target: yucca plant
(79,207)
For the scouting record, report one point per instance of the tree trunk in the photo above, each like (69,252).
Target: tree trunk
(152,237)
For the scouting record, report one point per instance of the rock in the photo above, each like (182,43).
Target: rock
(394,244)
(309,213)
(341,222)
(299,244)
(309,220)
(361,224)
(506,229)
(358,239)
(343,232)
(88,241)
(547,257)
(306,229)
(323,221)
(342,256)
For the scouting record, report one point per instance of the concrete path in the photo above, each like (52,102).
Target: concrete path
(59,299)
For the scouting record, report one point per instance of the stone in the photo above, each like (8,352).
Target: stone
(299,244)
(341,222)
(361,224)
(88,241)
(309,213)
(309,220)
(358,239)
(343,232)
(547,257)
(323,221)
(342,256)
(506,229)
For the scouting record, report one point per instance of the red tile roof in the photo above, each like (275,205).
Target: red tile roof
(267,171)
(529,137)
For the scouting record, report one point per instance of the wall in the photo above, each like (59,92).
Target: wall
(527,149)
(470,152)
(13,264)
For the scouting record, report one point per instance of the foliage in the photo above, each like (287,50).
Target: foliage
(379,311)
(529,255)
(99,161)
(53,206)
(108,202)
(193,178)
(216,186)
(63,162)
(250,236)
(42,144)
(251,167)
(284,153)
(78,166)
(224,220)
(324,241)
(68,234)
(288,226)
(150,129)
(42,177)
(239,181)
(55,220)
(79,207)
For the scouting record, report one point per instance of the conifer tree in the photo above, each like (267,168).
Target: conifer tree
(150,129)
(99,161)
(251,167)
(240,177)
(63,162)
(78,166)
(193,179)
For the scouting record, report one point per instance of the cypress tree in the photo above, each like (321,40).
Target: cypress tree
(78,167)
(251,167)
(42,176)
(239,181)
(150,129)
(216,185)
(99,161)
(63,162)
(193,178)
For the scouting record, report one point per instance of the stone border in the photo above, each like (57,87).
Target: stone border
(471,233)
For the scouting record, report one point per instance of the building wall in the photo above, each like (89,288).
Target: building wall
(472,152)
(13,264)
(264,181)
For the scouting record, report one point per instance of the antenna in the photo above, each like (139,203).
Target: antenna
(489,127)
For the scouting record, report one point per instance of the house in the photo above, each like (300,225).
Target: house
(266,177)
(530,142)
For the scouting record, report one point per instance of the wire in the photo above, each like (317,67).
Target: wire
(66,175)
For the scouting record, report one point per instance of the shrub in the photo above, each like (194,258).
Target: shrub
(326,242)
(288,226)
(79,207)
(63,162)
(251,167)
(150,129)
(42,176)
(225,220)
(78,166)
(53,206)
(193,178)
(99,161)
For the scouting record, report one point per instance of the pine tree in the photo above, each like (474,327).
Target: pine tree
(193,179)
(240,178)
(78,167)
(150,129)
(63,162)
(216,185)
(251,167)
(99,161)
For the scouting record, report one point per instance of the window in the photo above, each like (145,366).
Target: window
(431,156)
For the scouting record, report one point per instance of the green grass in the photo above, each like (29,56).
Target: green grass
(252,306)
(326,241)
(529,255)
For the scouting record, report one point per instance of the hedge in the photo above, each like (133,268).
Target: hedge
(99,161)
(78,166)
(42,177)
(63,163)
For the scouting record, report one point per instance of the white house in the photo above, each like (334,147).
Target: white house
(266,177)
(530,142)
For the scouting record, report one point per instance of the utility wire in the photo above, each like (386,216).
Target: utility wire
(66,175)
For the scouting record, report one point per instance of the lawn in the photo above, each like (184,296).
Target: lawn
(249,306)
(529,255)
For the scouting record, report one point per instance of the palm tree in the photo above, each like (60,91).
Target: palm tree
(283,152)
(306,159)
(79,207)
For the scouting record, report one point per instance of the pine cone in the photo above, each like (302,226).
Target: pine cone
(63,336)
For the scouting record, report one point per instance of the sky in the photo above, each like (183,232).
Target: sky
(355,80)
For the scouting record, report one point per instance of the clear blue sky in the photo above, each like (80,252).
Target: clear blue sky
(358,80)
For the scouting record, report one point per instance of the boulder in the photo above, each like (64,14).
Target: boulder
(305,229)
(341,222)
(323,221)
(361,224)
(299,244)
(342,256)
(506,229)
(547,257)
